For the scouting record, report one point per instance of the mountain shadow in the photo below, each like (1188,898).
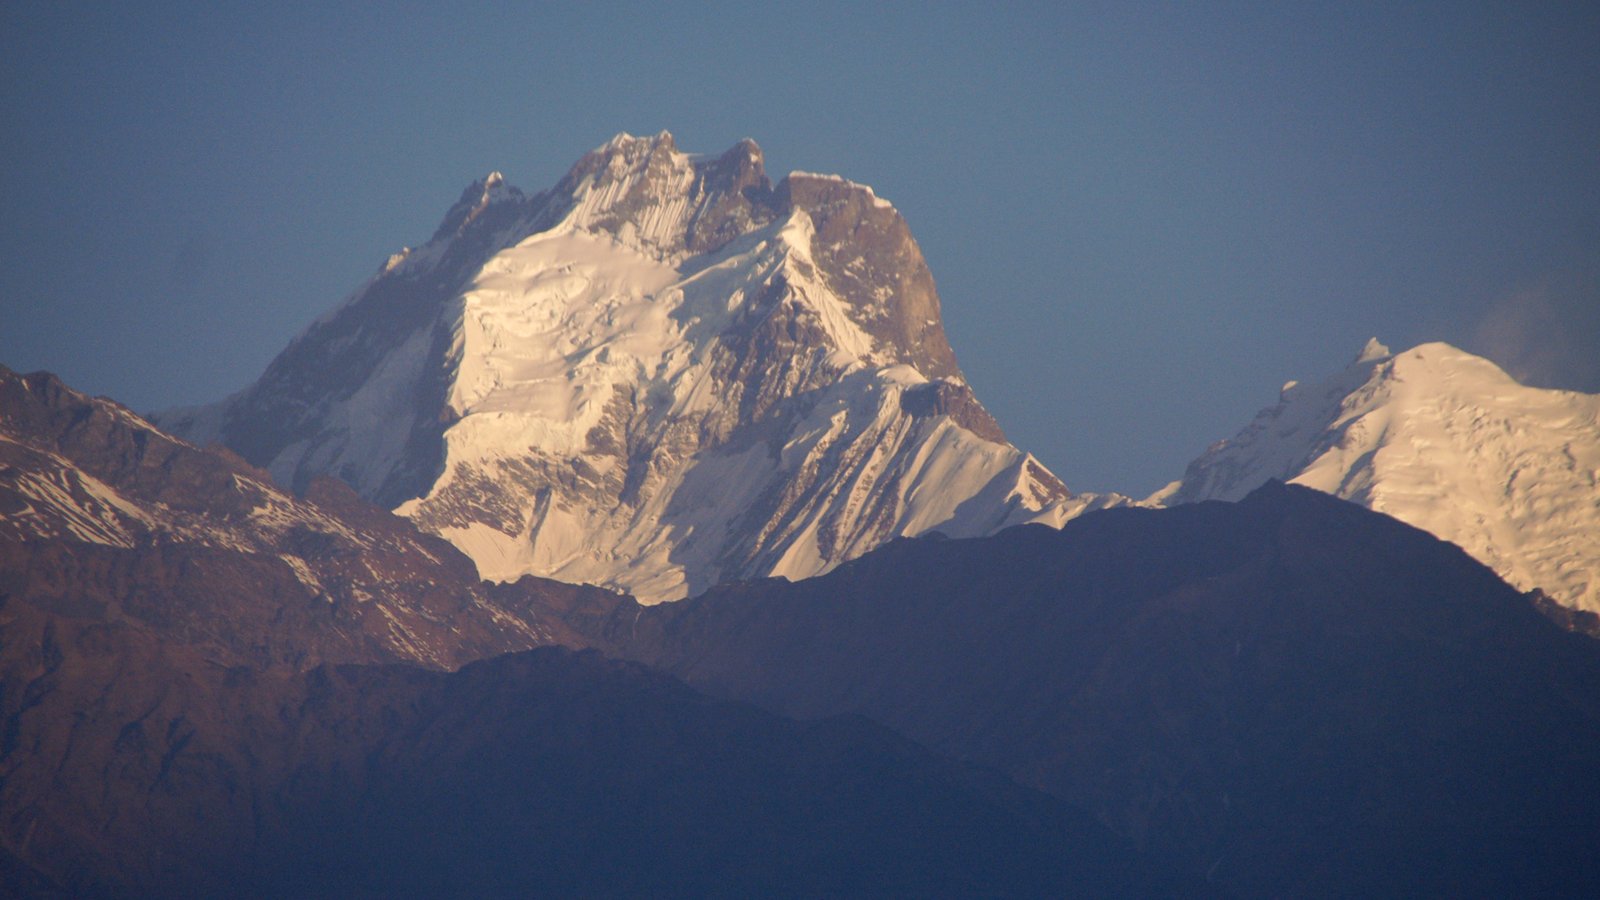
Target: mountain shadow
(1291,694)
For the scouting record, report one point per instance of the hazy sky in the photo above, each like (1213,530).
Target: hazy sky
(1142,219)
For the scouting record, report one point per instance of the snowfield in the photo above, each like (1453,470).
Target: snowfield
(1445,441)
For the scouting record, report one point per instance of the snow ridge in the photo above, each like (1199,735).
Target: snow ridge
(1445,441)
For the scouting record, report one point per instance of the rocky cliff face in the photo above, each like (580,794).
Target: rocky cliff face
(663,373)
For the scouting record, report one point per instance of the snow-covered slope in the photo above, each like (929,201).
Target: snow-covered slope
(1442,440)
(662,373)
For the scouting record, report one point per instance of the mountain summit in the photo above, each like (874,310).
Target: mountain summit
(662,373)
(1442,440)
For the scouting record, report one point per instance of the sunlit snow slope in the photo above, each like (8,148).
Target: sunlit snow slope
(663,373)
(1445,441)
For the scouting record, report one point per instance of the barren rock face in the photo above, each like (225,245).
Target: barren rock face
(864,249)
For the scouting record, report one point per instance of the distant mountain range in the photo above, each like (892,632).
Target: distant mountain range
(665,372)
(322,641)
(103,515)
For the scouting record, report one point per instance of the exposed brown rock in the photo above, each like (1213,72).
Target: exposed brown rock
(869,258)
(955,399)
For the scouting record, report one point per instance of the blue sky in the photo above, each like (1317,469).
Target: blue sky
(1142,218)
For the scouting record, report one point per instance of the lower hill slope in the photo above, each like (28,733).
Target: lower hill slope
(211,687)
(105,517)
(1292,694)
(133,766)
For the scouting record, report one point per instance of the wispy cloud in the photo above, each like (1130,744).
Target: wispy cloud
(1547,334)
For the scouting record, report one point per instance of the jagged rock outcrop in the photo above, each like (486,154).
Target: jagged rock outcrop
(663,373)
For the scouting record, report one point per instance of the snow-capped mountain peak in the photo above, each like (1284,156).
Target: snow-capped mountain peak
(1446,441)
(663,372)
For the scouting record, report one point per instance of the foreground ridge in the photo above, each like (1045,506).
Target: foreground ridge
(212,687)
(1291,694)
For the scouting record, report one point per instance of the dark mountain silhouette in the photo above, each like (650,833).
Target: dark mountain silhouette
(1292,694)
(201,691)
(134,766)
(201,694)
